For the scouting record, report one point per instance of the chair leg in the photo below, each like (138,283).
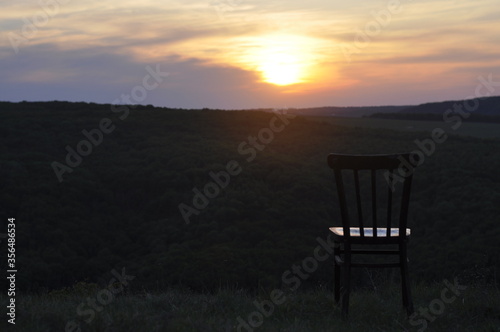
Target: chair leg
(405,280)
(346,282)
(336,271)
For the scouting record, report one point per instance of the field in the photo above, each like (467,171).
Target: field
(113,203)
(474,309)
(473,129)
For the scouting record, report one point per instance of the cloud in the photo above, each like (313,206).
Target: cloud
(44,72)
(446,56)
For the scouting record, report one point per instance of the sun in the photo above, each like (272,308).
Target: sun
(281,69)
(282,60)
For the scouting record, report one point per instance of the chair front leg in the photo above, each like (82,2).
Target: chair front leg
(346,282)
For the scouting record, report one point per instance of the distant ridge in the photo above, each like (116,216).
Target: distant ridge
(488,106)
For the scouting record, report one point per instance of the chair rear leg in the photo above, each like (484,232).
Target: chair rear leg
(405,281)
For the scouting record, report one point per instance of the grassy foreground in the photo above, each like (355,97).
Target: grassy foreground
(475,309)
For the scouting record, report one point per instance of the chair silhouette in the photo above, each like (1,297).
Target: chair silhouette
(380,226)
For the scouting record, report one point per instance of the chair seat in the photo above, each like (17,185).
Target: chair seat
(368,232)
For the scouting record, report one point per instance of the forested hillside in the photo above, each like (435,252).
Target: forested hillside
(484,109)
(483,106)
(119,205)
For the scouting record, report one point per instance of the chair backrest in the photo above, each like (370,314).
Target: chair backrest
(369,173)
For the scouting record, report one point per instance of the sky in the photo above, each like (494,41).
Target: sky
(242,54)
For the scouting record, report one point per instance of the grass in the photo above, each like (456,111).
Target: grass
(476,309)
(473,129)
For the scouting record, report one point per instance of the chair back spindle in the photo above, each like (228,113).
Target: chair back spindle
(373,169)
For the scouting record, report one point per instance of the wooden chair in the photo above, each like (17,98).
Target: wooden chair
(375,225)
